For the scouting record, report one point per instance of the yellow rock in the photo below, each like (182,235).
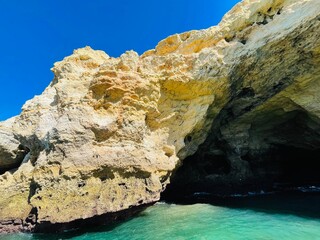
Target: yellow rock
(107,133)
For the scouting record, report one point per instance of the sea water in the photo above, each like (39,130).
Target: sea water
(263,218)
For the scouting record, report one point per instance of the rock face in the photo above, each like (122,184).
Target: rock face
(232,105)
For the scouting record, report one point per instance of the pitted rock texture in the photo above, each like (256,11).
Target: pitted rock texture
(107,133)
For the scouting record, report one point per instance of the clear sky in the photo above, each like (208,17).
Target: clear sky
(37,33)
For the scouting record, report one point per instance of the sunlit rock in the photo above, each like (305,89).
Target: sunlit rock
(226,103)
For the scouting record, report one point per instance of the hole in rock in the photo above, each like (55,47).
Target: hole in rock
(243,41)
(279,152)
(246,92)
(188,139)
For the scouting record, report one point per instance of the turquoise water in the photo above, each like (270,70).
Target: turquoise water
(265,219)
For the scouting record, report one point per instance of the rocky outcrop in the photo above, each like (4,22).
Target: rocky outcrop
(12,152)
(226,104)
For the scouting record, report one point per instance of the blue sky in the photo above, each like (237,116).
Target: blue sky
(37,33)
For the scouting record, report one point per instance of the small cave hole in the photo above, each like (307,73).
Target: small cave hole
(243,41)
(81,184)
(187,139)
(246,92)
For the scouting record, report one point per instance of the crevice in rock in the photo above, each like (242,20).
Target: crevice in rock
(31,221)
(34,188)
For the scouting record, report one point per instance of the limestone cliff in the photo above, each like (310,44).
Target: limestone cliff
(107,133)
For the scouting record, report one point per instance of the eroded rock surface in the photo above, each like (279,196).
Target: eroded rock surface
(108,133)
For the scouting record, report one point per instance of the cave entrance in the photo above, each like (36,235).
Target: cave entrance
(280,151)
(200,173)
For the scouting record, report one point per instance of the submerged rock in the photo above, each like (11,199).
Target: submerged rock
(107,133)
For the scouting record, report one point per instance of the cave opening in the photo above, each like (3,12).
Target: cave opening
(279,152)
(197,174)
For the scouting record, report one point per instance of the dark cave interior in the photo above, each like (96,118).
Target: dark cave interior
(289,158)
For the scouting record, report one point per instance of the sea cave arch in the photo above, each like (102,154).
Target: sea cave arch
(272,150)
